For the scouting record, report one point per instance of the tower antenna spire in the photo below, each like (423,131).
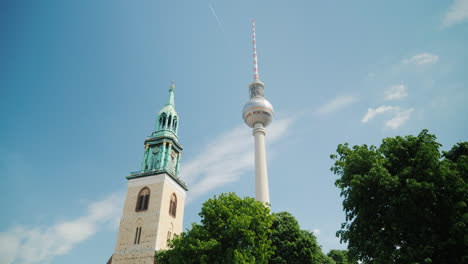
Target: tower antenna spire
(254,42)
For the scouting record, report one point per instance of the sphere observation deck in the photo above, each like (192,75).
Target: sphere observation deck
(257,110)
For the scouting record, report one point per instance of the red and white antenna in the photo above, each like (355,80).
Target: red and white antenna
(254,51)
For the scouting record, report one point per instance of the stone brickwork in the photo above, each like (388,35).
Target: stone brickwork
(155,222)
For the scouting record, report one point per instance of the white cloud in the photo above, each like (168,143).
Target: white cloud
(316,231)
(457,13)
(399,119)
(229,156)
(371,113)
(40,244)
(336,104)
(400,116)
(396,92)
(422,59)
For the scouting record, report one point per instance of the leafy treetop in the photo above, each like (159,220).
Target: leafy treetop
(232,230)
(405,201)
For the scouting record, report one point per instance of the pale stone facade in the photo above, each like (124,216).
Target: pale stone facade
(155,223)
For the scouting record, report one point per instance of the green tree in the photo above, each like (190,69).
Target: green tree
(341,257)
(232,230)
(293,245)
(405,201)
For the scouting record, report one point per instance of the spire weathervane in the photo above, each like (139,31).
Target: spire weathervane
(170,101)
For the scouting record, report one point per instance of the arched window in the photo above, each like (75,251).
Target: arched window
(174,124)
(169,234)
(173,205)
(137,235)
(169,122)
(137,238)
(143,200)
(162,121)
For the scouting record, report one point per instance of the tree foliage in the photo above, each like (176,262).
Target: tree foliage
(242,230)
(405,201)
(341,257)
(293,245)
(232,230)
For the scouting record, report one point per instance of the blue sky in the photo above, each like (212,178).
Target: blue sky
(81,83)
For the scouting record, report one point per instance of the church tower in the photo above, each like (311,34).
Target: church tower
(154,205)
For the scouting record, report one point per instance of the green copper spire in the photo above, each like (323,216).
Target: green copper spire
(162,149)
(171,95)
(167,118)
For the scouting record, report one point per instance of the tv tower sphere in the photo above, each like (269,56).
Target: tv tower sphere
(257,109)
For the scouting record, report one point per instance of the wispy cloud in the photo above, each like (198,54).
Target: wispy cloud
(229,156)
(399,116)
(399,119)
(30,245)
(336,104)
(216,17)
(396,92)
(371,113)
(422,59)
(456,14)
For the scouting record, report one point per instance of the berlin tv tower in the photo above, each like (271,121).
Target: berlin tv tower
(258,114)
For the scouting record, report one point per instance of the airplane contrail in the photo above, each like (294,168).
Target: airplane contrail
(216,17)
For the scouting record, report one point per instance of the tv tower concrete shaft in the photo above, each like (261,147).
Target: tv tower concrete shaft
(262,192)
